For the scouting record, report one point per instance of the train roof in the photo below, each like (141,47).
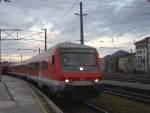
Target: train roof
(71,45)
(43,55)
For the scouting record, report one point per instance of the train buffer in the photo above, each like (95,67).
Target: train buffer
(16,96)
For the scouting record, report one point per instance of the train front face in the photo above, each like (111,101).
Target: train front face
(81,72)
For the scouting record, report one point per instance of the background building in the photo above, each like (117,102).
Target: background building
(142,59)
(101,63)
(111,62)
(127,63)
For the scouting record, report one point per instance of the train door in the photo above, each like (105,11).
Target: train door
(53,65)
(40,74)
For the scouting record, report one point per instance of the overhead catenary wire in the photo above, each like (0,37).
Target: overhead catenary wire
(64,16)
(103,3)
(92,12)
(32,35)
(57,24)
(36,40)
(98,3)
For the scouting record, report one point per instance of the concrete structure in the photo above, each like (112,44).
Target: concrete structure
(127,63)
(141,54)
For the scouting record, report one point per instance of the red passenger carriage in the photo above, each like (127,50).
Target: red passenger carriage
(66,68)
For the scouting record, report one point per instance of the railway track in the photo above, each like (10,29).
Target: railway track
(78,106)
(95,108)
(130,93)
(127,78)
(144,81)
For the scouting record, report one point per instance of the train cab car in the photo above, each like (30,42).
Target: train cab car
(65,69)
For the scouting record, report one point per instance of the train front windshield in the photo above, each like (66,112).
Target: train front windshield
(79,59)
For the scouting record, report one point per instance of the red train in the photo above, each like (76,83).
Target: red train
(66,68)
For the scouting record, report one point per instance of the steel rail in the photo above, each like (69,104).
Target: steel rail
(128,94)
(125,79)
(94,107)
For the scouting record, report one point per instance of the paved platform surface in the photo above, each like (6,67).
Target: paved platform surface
(17,97)
(128,84)
(4,95)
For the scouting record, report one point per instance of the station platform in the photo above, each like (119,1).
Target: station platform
(16,96)
(135,85)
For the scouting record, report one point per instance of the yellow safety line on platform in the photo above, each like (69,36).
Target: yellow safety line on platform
(40,103)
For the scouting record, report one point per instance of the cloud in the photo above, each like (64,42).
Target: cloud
(121,20)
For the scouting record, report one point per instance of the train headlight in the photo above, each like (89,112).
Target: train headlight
(67,80)
(96,80)
(81,68)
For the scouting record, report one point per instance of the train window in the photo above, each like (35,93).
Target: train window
(79,59)
(71,59)
(53,60)
(43,65)
(36,66)
(88,59)
(46,65)
(31,66)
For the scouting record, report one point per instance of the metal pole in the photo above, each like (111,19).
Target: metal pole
(0,57)
(21,57)
(10,59)
(81,24)
(45,30)
(130,61)
(45,39)
(39,50)
(147,56)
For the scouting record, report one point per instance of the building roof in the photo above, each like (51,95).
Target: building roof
(142,41)
(71,45)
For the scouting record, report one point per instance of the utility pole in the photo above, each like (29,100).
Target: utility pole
(81,24)
(130,63)
(147,41)
(0,57)
(45,30)
(21,56)
(10,59)
(39,51)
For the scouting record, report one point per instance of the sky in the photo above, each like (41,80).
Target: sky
(109,26)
